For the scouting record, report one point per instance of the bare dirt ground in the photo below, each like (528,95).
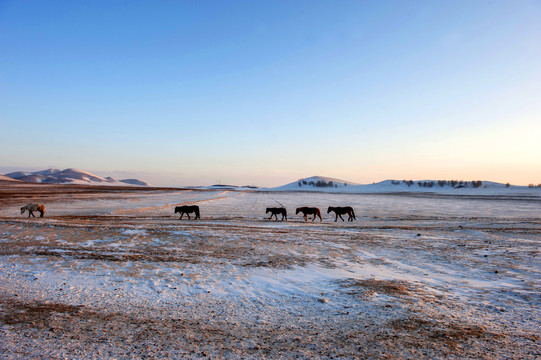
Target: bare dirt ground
(113,274)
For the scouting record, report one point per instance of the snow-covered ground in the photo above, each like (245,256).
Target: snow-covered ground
(419,275)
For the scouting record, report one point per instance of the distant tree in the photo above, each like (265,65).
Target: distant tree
(507,185)
(304,182)
(454,183)
(477,183)
(531,185)
(442,183)
(300,184)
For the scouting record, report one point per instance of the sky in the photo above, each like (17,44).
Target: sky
(267,92)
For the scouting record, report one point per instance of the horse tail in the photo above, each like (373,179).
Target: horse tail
(353,213)
(197,212)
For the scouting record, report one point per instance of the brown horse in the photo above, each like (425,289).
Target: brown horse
(187,210)
(339,211)
(275,211)
(309,211)
(33,207)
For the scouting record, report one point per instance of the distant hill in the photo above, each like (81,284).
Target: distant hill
(327,184)
(133,182)
(316,183)
(70,176)
(5,178)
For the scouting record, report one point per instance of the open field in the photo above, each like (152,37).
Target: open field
(112,273)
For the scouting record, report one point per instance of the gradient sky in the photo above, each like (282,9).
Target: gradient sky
(266,92)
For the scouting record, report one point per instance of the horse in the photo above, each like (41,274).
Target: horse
(339,211)
(309,211)
(33,207)
(275,211)
(187,210)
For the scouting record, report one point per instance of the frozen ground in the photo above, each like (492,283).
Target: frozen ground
(116,275)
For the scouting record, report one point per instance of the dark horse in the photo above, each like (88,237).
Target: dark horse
(187,210)
(339,211)
(275,211)
(309,211)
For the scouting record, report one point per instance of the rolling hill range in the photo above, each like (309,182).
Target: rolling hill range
(326,184)
(69,176)
(5,178)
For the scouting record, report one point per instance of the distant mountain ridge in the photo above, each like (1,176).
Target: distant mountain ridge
(70,176)
(327,184)
(6,178)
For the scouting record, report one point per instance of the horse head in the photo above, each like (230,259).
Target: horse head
(329,209)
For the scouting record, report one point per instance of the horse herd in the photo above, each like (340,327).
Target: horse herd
(275,211)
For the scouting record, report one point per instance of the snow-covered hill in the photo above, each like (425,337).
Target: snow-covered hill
(459,187)
(5,178)
(316,183)
(70,176)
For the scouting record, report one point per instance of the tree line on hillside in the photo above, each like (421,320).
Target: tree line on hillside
(319,183)
(425,184)
(442,183)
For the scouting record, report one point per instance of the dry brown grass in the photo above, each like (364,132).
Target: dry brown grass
(366,287)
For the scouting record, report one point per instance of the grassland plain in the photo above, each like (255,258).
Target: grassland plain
(112,273)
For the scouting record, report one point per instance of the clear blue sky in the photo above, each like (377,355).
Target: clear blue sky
(266,92)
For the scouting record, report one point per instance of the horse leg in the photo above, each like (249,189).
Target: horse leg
(181,215)
(305,217)
(336,218)
(41,215)
(271,216)
(341,217)
(188,215)
(31,213)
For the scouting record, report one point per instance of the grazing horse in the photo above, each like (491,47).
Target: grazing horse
(33,207)
(339,211)
(309,211)
(187,210)
(275,211)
